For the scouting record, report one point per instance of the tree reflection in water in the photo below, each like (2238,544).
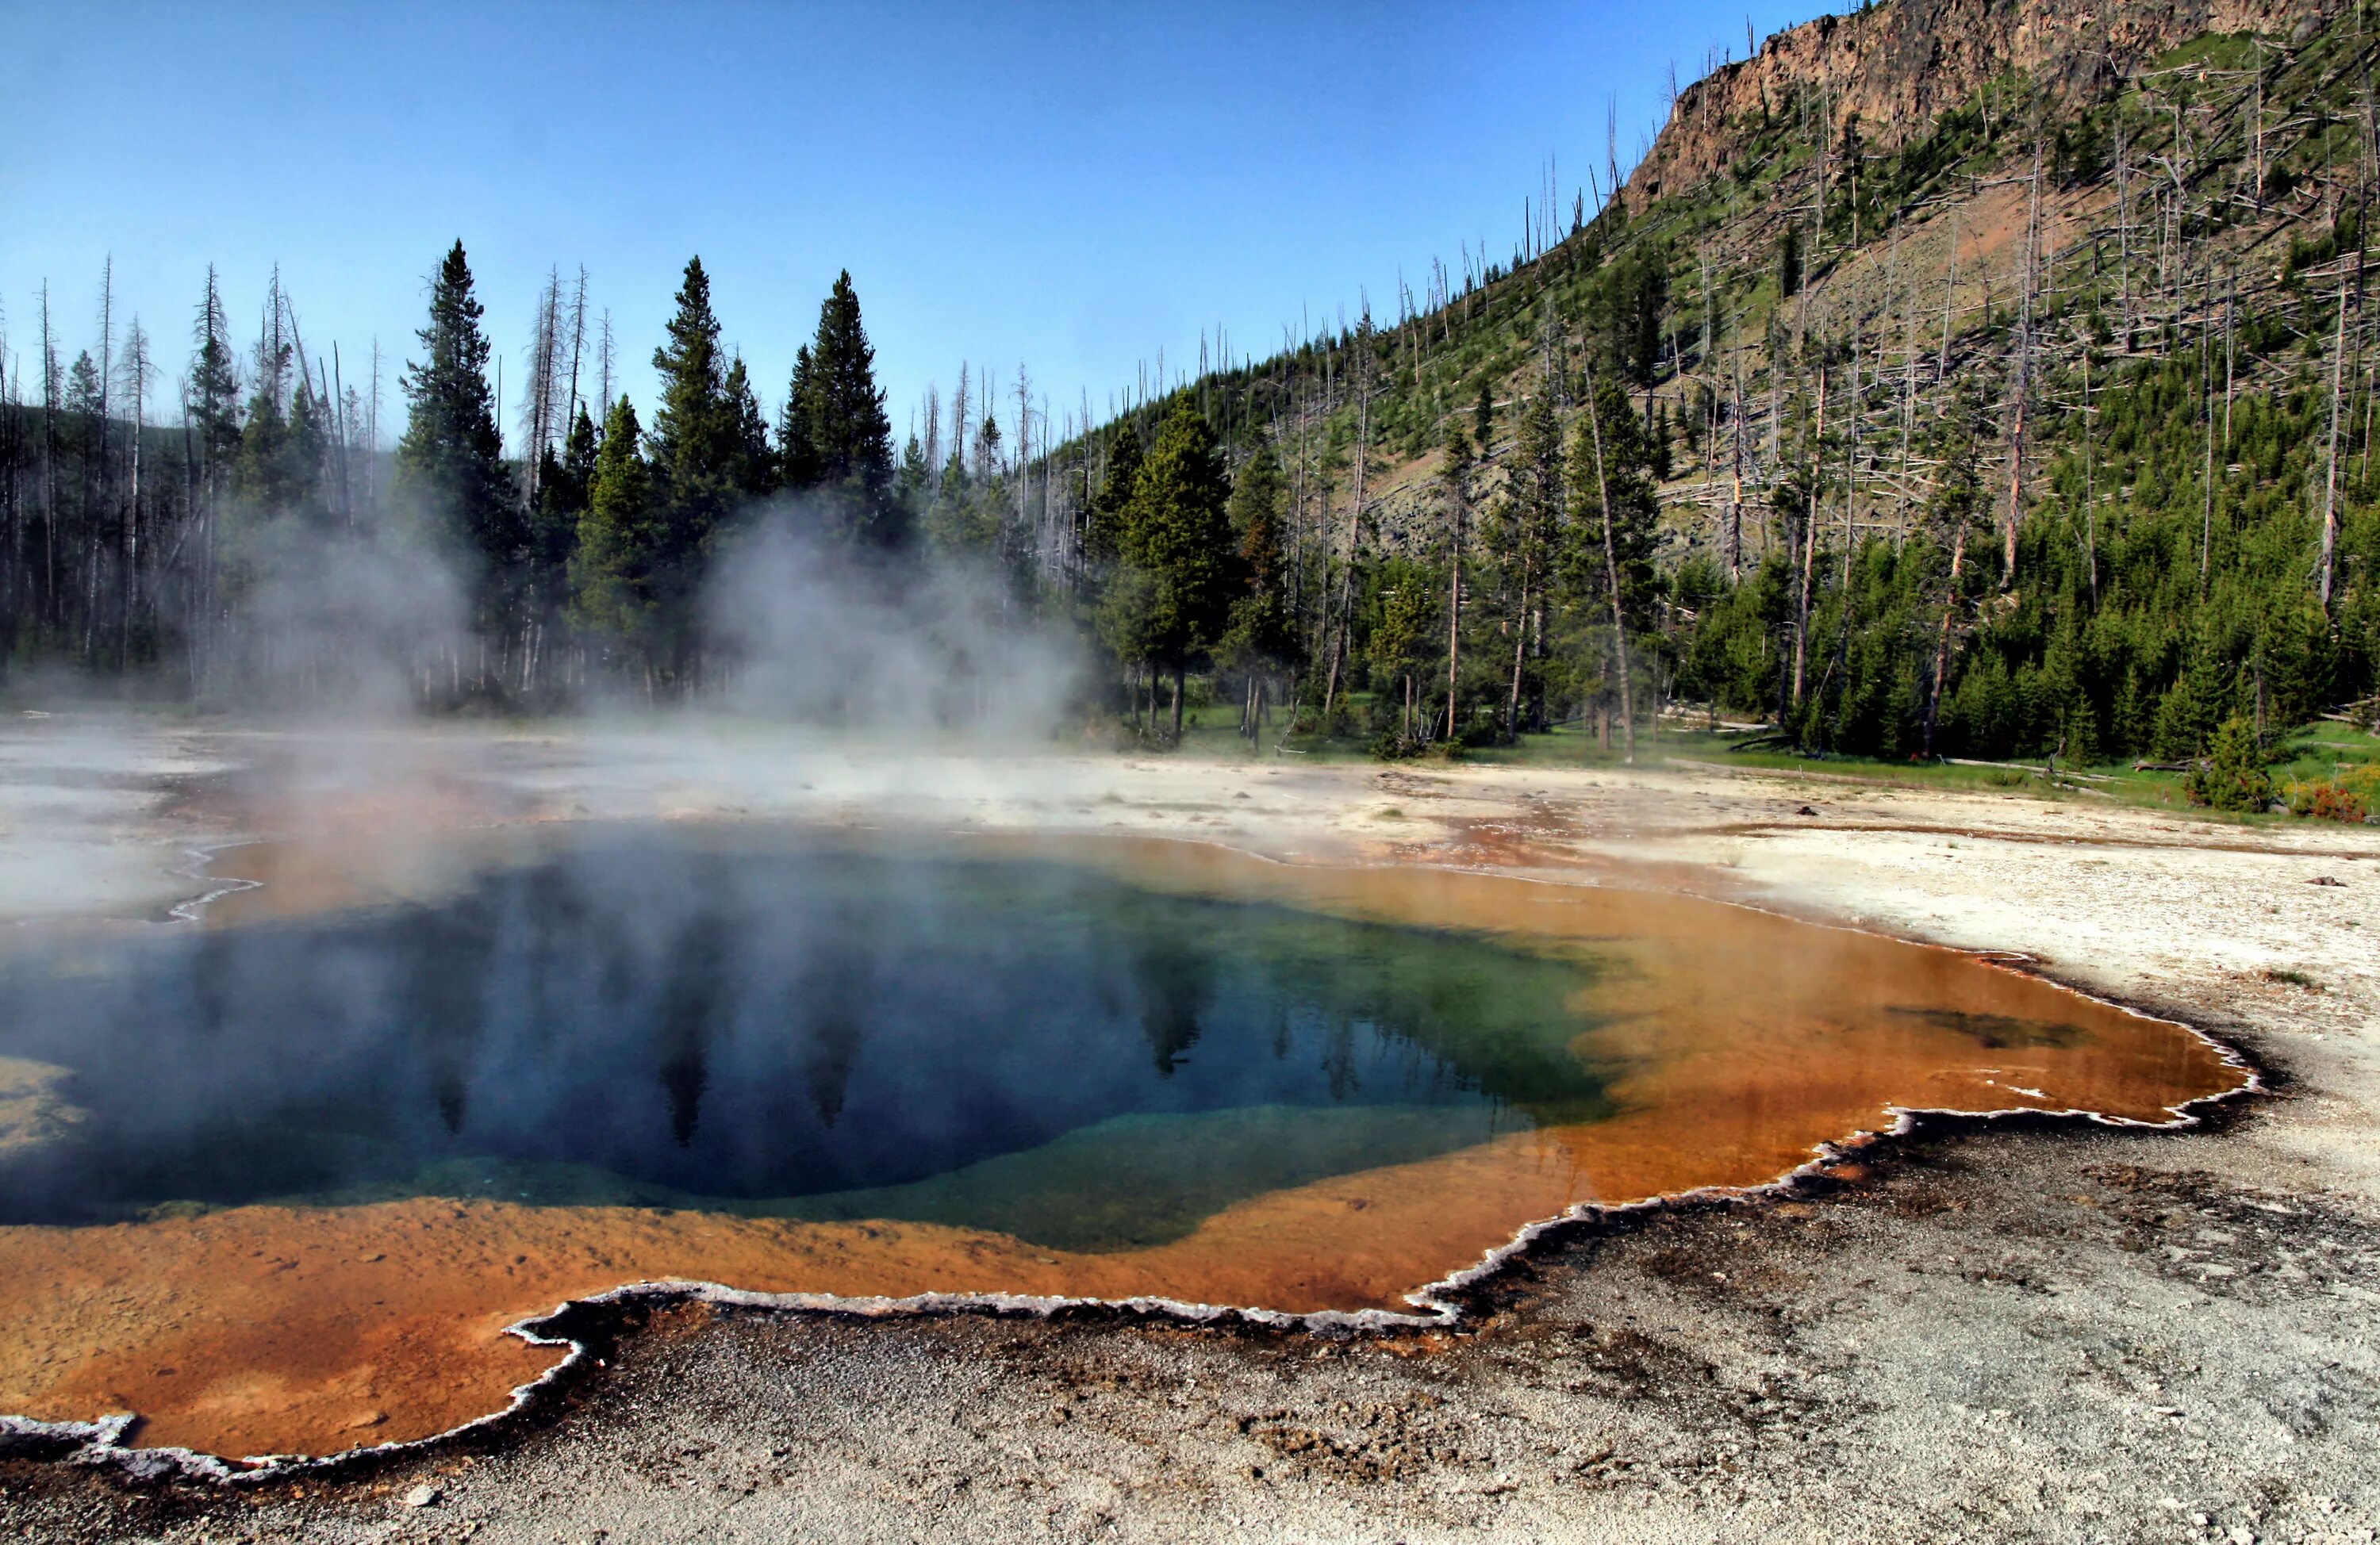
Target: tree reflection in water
(652,1015)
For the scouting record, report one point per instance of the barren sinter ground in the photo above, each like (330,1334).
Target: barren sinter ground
(2058,1333)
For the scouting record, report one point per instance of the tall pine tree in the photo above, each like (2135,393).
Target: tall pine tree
(449,465)
(696,462)
(1177,543)
(835,440)
(1104,531)
(798,460)
(1261,631)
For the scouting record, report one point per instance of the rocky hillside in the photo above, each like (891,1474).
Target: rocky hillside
(1887,72)
(2005,375)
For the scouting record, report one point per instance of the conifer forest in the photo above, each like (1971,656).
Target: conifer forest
(2041,427)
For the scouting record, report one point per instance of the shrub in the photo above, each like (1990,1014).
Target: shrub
(2349,797)
(2231,776)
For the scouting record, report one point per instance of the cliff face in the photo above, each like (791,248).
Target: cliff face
(1897,65)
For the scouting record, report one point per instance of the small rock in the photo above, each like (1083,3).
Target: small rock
(1805,810)
(422,1496)
(2324,879)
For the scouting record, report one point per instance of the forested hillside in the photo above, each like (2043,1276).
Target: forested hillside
(1950,378)
(2039,424)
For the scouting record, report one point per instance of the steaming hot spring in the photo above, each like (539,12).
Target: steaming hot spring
(279,1183)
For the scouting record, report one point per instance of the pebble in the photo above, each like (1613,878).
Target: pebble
(422,1496)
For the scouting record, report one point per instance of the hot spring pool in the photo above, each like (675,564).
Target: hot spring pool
(278,1182)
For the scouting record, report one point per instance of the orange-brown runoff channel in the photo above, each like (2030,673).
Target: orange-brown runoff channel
(1745,1041)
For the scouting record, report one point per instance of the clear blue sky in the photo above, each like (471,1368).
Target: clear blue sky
(1074,187)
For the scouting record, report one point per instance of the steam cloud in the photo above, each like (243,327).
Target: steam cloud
(818,636)
(343,624)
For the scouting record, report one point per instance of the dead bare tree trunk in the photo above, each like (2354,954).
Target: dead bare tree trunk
(2021,388)
(2090,490)
(1611,578)
(1809,544)
(2206,412)
(1942,641)
(1462,491)
(2330,474)
(1355,513)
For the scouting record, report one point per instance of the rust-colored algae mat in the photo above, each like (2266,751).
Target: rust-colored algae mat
(1736,1045)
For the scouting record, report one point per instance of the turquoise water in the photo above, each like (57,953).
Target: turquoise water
(757,1021)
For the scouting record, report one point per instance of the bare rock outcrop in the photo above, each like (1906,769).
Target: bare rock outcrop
(1896,67)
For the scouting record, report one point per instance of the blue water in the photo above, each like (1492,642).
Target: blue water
(759,1021)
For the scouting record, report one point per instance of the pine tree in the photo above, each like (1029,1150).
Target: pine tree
(1103,537)
(836,439)
(798,458)
(563,489)
(912,484)
(448,464)
(618,575)
(303,449)
(212,394)
(257,465)
(752,468)
(1176,543)
(697,467)
(1259,636)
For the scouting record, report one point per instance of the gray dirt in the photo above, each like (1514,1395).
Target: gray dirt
(2062,1333)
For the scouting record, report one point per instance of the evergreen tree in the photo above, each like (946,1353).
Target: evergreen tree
(752,468)
(1628,469)
(619,574)
(1261,636)
(1176,543)
(797,459)
(1648,298)
(258,467)
(1400,607)
(1103,541)
(448,464)
(565,487)
(910,486)
(212,394)
(835,438)
(303,449)
(697,461)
